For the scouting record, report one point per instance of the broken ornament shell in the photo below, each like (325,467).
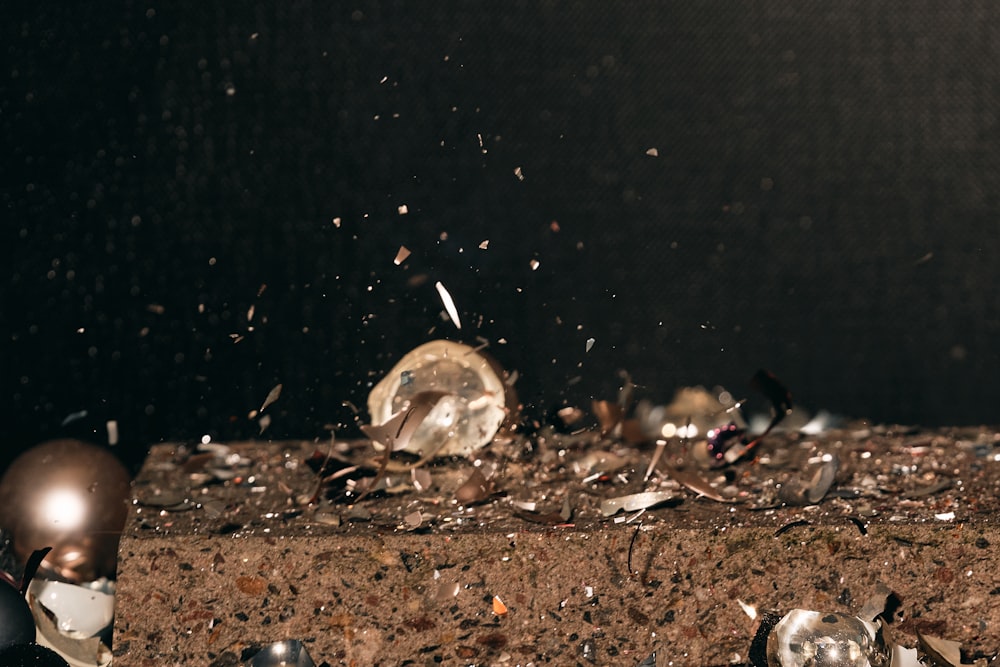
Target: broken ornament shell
(79,611)
(477,402)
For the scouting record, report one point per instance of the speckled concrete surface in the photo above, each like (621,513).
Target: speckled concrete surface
(197,587)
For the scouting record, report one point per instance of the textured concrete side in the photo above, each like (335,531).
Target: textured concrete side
(406,598)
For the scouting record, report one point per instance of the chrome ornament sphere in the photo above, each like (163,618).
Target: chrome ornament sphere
(804,638)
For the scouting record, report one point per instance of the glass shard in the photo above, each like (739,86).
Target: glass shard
(449,304)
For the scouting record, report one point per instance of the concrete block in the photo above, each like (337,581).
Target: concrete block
(211,568)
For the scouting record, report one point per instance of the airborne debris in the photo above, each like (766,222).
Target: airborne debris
(589,345)
(569,416)
(272,396)
(449,304)
(264,423)
(401,255)
(652,152)
(74,416)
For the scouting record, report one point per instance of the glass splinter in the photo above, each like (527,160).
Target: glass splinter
(271,397)
(401,256)
(449,304)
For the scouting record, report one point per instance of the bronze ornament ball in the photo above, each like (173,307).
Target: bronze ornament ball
(71,496)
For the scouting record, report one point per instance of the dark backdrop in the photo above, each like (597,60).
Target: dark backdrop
(707,187)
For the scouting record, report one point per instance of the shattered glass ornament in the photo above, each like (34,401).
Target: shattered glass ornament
(804,638)
(476,403)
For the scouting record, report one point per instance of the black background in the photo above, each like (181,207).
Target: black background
(823,202)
